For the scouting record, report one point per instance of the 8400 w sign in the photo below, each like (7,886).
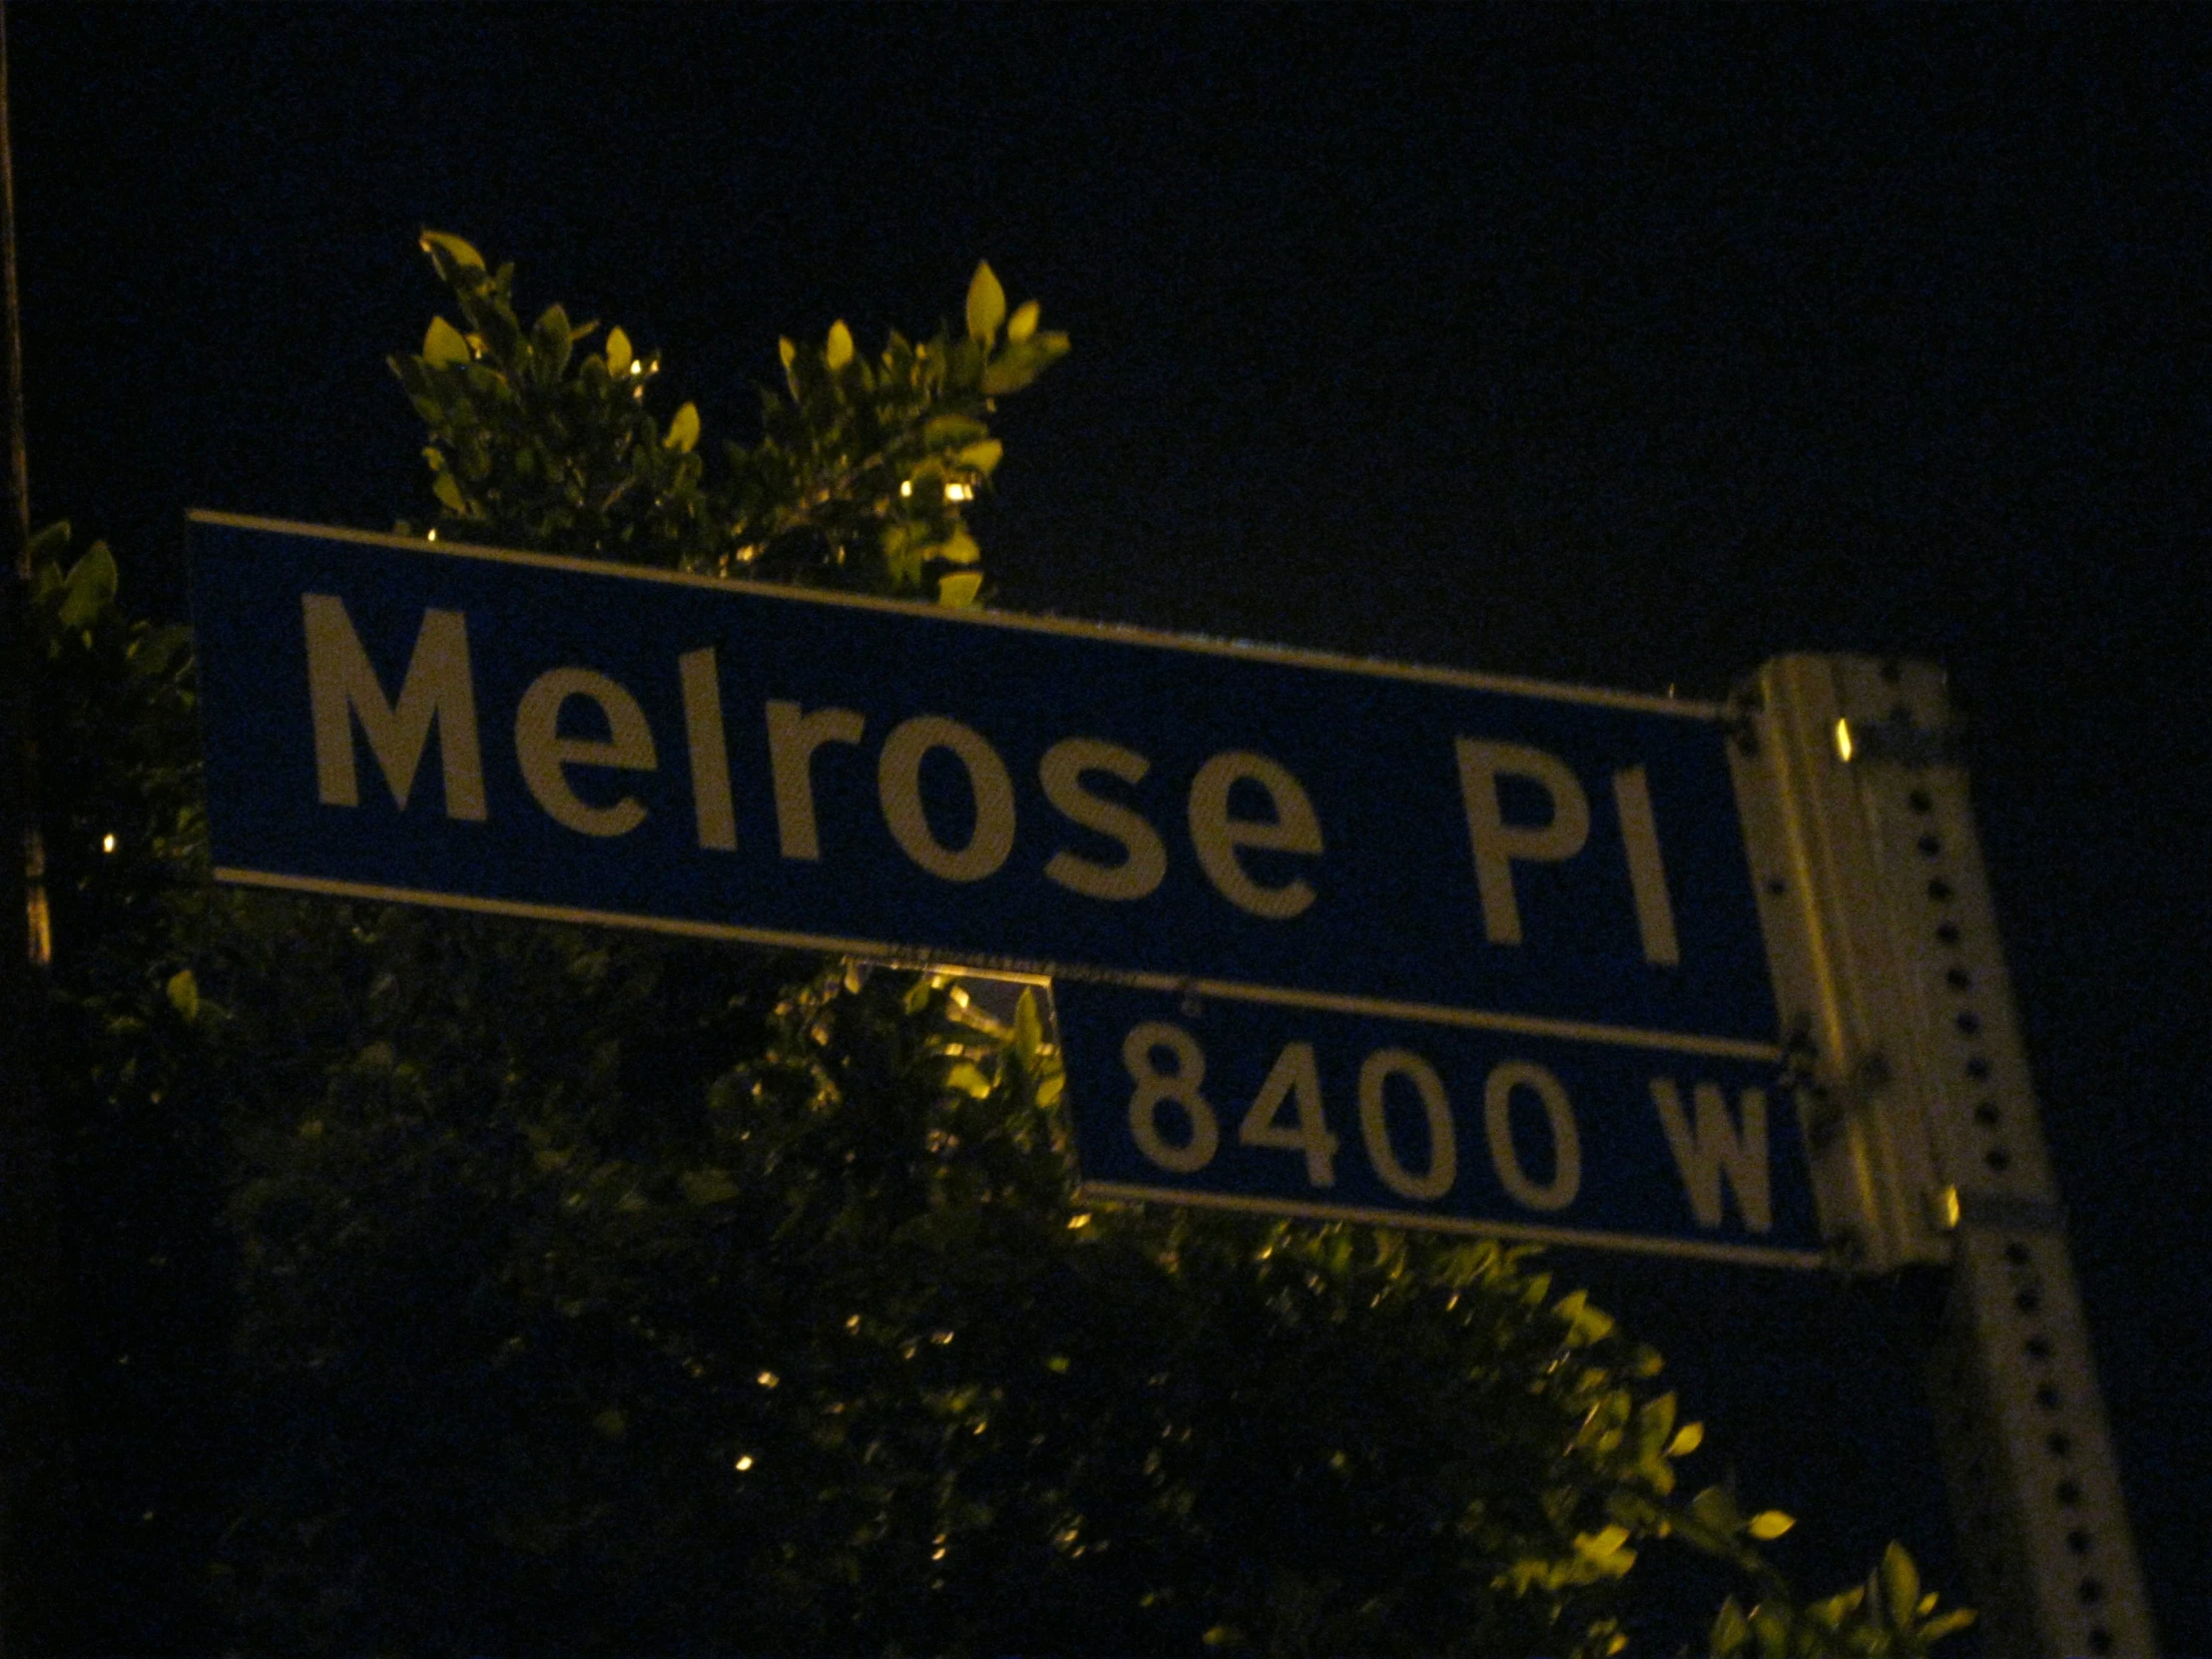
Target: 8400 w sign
(1239,1105)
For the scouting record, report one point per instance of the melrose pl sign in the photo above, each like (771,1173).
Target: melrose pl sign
(1327,935)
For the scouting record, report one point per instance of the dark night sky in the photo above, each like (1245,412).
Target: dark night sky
(1624,347)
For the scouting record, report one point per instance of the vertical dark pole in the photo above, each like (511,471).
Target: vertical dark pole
(35,1518)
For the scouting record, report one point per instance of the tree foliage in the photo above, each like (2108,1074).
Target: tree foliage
(500,1287)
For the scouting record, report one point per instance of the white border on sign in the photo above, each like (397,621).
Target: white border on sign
(907,955)
(1762,1256)
(1684,707)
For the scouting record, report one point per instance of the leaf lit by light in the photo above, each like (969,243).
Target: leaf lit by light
(743,1463)
(959,492)
(1842,740)
(768,1380)
(1075,1222)
(107,843)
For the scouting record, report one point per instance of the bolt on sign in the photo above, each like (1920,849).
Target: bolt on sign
(1468,951)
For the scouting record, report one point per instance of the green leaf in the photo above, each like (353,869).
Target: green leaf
(184,994)
(551,338)
(836,351)
(1731,1630)
(454,249)
(612,1423)
(1017,365)
(448,489)
(90,588)
(1770,1524)
(683,431)
(986,303)
(960,588)
(1901,1585)
(443,344)
(966,1077)
(981,457)
(48,545)
(951,430)
(708,1185)
(1024,323)
(1717,1509)
(959,550)
(1687,1439)
(619,354)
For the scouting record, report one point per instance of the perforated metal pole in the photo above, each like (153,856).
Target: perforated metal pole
(1927,1140)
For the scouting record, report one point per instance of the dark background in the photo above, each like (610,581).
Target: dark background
(1629,348)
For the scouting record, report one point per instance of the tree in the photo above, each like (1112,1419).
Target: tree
(580,1291)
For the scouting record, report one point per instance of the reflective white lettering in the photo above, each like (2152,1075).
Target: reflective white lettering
(710,751)
(1714,1148)
(1566,1142)
(1497,844)
(1295,1078)
(1144,860)
(342,688)
(1217,837)
(1375,1073)
(792,737)
(1178,1087)
(544,753)
(1647,871)
(899,786)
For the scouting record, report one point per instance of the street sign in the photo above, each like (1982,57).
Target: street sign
(1304,1111)
(545,737)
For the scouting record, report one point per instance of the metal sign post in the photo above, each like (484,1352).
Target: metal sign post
(1923,1124)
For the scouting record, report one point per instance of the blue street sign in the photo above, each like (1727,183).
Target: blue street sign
(545,737)
(1281,1110)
